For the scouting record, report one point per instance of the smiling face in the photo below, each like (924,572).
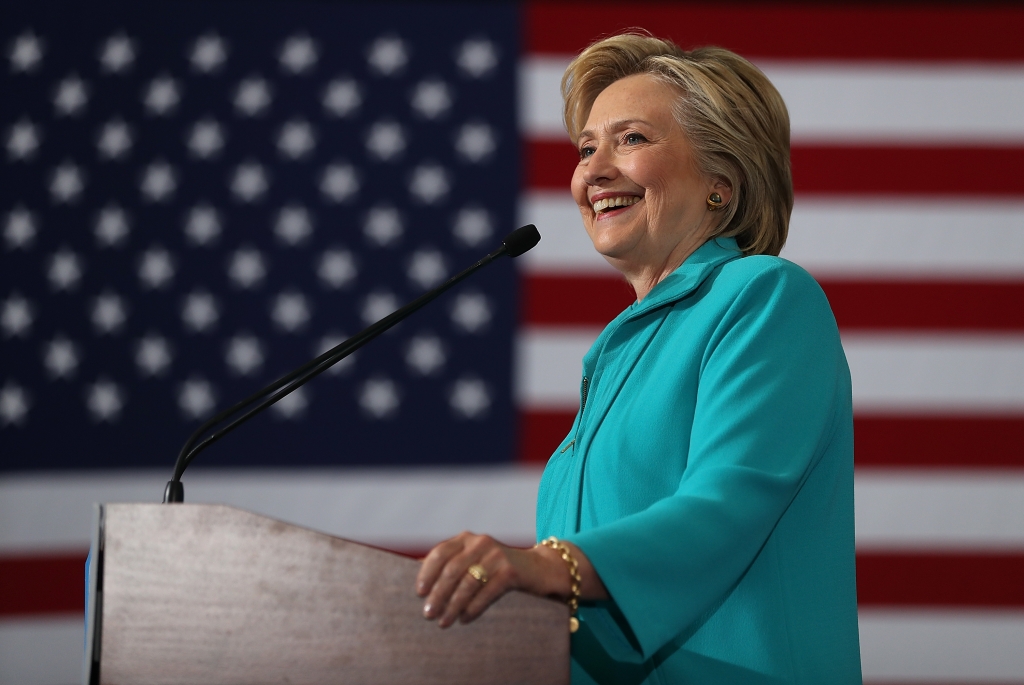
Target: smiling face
(644,204)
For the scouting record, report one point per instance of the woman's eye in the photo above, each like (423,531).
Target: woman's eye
(634,139)
(586,151)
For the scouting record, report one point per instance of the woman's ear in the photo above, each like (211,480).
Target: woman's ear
(722,187)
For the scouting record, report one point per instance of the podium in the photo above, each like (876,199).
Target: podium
(213,595)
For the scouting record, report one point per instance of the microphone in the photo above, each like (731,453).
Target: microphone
(516,243)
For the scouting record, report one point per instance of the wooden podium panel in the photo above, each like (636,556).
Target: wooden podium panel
(209,594)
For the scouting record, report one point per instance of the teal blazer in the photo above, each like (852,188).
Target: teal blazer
(708,477)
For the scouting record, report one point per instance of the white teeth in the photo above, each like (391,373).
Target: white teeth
(612,202)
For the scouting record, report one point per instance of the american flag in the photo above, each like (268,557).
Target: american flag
(195,199)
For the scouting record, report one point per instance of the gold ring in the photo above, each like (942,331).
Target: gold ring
(478,572)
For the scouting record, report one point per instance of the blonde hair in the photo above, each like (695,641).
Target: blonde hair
(734,118)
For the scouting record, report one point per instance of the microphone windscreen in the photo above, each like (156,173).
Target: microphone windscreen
(521,240)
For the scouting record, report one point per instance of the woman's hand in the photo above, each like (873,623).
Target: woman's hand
(453,594)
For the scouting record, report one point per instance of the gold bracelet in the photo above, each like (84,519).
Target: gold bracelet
(574,574)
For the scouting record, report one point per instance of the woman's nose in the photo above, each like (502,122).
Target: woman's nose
(600,166)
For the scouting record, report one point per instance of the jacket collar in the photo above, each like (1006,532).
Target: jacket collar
(690,274)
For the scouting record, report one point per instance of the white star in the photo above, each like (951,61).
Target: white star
(427,268)
(153,355)
(339,182)
(162,95)
(477,57)
(253,96)
(14,404)
(23,140)
(26,52)
(342,97)
(429,183)
(294,225)
(431,98)
(159,181)
(337,268)
(109,313)
(199,312)
(469,398)
(16,316)
(379,398)
(249,182)
(117,53)
(205,139)
(475,142)
(296,139)
(60,358)
(377,305)
(105,400)
(289,311)
(156,268)
(473,225)
(65,270)
(19,228)
(246,268)
(425,355)
(383,225)
(471,312)
(67,182)
(329,342)
(114,139)
(387,55)
(112,226)
(195,398)
(291,406)
(244,354)
(202,225)
(71,96)
(385,141)
(298,54)
(208,53)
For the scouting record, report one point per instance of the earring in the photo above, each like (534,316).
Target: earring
(714,201)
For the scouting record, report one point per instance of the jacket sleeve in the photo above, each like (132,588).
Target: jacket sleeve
(765,411)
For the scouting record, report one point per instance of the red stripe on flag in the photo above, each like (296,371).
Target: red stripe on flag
(939,441)
(880,441)
(791,31)
(893,305)
(940,580)
(844,169)
(49,584)
(540,432)
(927,305)
(572,300)
(918,170)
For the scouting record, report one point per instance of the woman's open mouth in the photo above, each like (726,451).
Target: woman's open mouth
(610,205)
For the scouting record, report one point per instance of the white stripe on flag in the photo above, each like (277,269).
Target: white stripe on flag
(939,510)
(942,373)
(831,103)
(928,646)
(891,373)
(412,510)
(41,651)
(407,509)
(896,646)
(832,237)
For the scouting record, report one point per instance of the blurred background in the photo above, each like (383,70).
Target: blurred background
(196,197)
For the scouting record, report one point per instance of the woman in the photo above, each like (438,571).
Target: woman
(704,496)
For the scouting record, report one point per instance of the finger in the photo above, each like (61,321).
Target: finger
(434,562)
(466,589)
(447,581)
(488,595)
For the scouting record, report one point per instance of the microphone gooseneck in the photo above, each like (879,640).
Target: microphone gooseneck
(516,243)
